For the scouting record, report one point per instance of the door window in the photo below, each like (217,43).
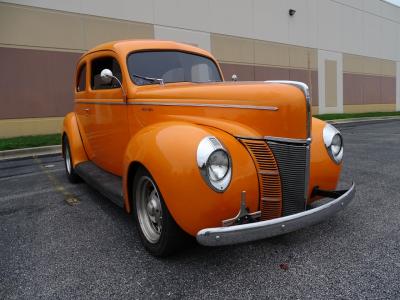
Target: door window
(98,65)
(81,80)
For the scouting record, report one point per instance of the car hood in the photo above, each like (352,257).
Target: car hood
(244,109)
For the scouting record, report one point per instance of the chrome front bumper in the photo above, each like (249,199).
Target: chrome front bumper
(220,236)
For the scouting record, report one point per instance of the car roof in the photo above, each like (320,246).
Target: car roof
(124,47)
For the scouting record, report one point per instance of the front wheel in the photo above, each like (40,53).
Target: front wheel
(72,176)
(157,229)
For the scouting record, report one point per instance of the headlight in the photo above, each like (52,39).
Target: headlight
(334,143)
(218,165)
(214,163)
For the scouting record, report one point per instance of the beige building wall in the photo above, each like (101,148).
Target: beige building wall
(369,84)
(30,27)
(40,48)
(398,86)
(30,126)
(195,38)
(252,59)
(331,97)
(255,39)
(357,27)
(330,82)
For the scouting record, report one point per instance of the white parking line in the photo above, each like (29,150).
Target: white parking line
(27,194)
(30,174)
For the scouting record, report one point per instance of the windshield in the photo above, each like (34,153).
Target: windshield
(155,67)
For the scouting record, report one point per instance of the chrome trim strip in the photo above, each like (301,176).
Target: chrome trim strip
(288,140)
(100,103)
(271,108)
(220,236)
(304,88)
(254,138)
(255,107)
(275,139)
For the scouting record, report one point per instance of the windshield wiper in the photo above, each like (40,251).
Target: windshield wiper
(151,79)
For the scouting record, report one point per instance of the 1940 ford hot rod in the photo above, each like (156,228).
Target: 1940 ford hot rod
(158,131)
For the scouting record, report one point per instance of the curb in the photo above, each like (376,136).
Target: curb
(30,152)
(365,120)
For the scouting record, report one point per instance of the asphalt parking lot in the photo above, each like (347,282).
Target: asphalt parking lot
(59,240)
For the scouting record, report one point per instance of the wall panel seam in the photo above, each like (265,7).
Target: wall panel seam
(369,74)
(264,65)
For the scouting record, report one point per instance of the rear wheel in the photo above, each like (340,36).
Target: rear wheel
(72,176)
(157,229)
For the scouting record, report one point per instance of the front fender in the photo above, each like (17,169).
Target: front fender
(70,128)
(324,173)
(168,151)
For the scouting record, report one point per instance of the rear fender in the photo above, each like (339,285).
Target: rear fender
(71,130)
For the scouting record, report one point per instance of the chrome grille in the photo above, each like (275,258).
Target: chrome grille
(268,177)
(292,164)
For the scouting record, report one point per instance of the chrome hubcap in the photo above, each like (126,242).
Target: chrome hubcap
(68,163)
(149,209)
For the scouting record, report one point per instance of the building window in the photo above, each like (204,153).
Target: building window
(99,65)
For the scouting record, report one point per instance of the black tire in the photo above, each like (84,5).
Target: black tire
(171,236)
(72,176)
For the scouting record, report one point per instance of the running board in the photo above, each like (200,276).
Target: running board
(106,183)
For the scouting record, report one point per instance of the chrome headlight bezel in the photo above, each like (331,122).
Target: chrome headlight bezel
(207,147)
(332,138)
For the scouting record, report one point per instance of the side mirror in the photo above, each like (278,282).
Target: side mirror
(106,76)
(235,77)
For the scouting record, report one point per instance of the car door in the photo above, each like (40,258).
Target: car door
(82,107)
(107,129)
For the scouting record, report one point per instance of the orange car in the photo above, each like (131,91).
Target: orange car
(158,131)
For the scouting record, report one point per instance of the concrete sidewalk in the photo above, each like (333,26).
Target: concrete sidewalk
(30,152)
(365,120)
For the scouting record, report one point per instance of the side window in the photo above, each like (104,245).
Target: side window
(81,80)
(99,65)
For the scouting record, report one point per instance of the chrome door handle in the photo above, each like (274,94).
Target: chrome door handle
(86,109)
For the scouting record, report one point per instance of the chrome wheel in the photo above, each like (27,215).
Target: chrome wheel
(68,162)
(72,176)
(149,210)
